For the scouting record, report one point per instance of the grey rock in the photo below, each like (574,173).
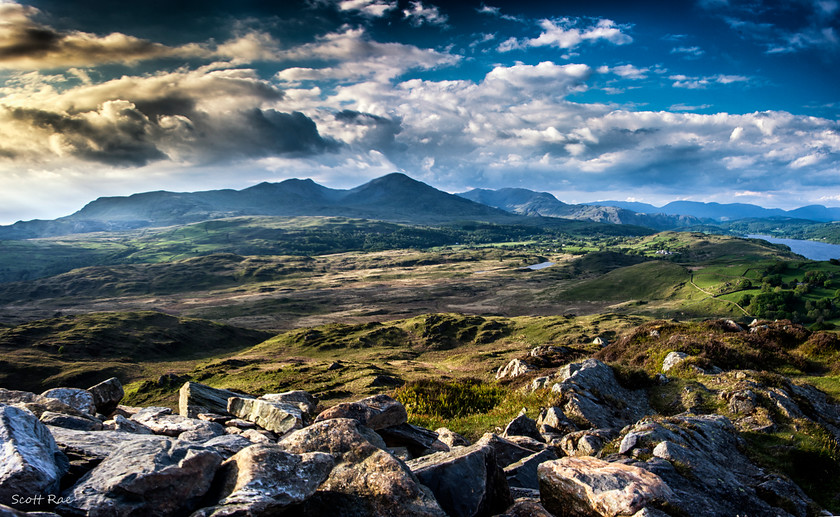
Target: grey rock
(161,421)
(592,397)
(241,424)
(366,480)
(195,398)
(70,421)
(526,442)
(144,477)
(522,426)
(278,417)
(526,508)
(302,399)
(586,443)
(552,421)
(376,412)
(78,399)
(263,479)
(699,457)
(451,438)
(107,395)
(416,439)
(227,445)
(506,451)
(523,473)
(589,486)
(513,369)
(673,359)
(258,435)
(30,461)
(466,481)
(121,423)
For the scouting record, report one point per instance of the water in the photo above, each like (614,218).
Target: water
(813,250)
(543,265)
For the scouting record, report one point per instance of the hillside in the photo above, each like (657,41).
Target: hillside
(527,202)
(728,211)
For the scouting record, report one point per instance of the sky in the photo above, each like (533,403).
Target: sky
(653,101)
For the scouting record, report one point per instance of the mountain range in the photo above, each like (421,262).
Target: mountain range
(728,211)
(394,197)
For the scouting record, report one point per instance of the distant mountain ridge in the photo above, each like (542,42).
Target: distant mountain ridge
(728,211)
(394,197)
(528,202)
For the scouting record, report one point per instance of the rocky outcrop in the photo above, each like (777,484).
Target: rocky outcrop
(523,426)
(278,417)
(144,478)
(523,473)
(589,486)
(366,480)
(263,479)
(302,399)
(593,398)
(699,457)
(377,412)
(30,462)
(467,481)
(107,395)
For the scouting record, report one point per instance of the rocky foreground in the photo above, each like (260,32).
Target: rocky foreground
(600,452)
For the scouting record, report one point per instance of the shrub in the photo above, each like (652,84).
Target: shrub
(452,399)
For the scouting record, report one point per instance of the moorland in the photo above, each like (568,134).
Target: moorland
(394,285)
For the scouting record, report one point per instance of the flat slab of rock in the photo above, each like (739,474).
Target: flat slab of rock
(416,439)
(278,417)
(30,461)
(264,478)
(107,395)
(161,421)
(144,477)
(78,399)
(70,421)
(366,480)
(523,473)
(377,412)
(589,486)
(195,398)
(466,481)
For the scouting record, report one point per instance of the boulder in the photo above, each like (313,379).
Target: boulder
(506,451)
(586,443)
(377,412)
(552,422)
(416,439)
(589,486)
(195,398)
(302,399)
(30,461)
(107,395)
(673,359)
(700,459)
(451,438)
(264,479)
(78,399)
(522,426)
(70,421)
(121,423)
(161,421)
(515,368)
(228,444)
(144,477)
(466,481)
(526,508)
(593,398)
(278,417)
(366,480)
(523,473)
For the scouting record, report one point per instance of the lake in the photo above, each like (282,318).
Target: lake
(543,265)
(813,250)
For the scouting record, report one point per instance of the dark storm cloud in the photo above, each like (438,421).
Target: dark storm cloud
(270,132)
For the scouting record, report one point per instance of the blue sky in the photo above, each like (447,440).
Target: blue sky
(710,100)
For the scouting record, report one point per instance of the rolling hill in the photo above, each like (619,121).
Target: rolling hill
(728,211)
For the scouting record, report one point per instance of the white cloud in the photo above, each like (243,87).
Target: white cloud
(565,33)
(373,8)
(630,72)
(688,52)
(419,14)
